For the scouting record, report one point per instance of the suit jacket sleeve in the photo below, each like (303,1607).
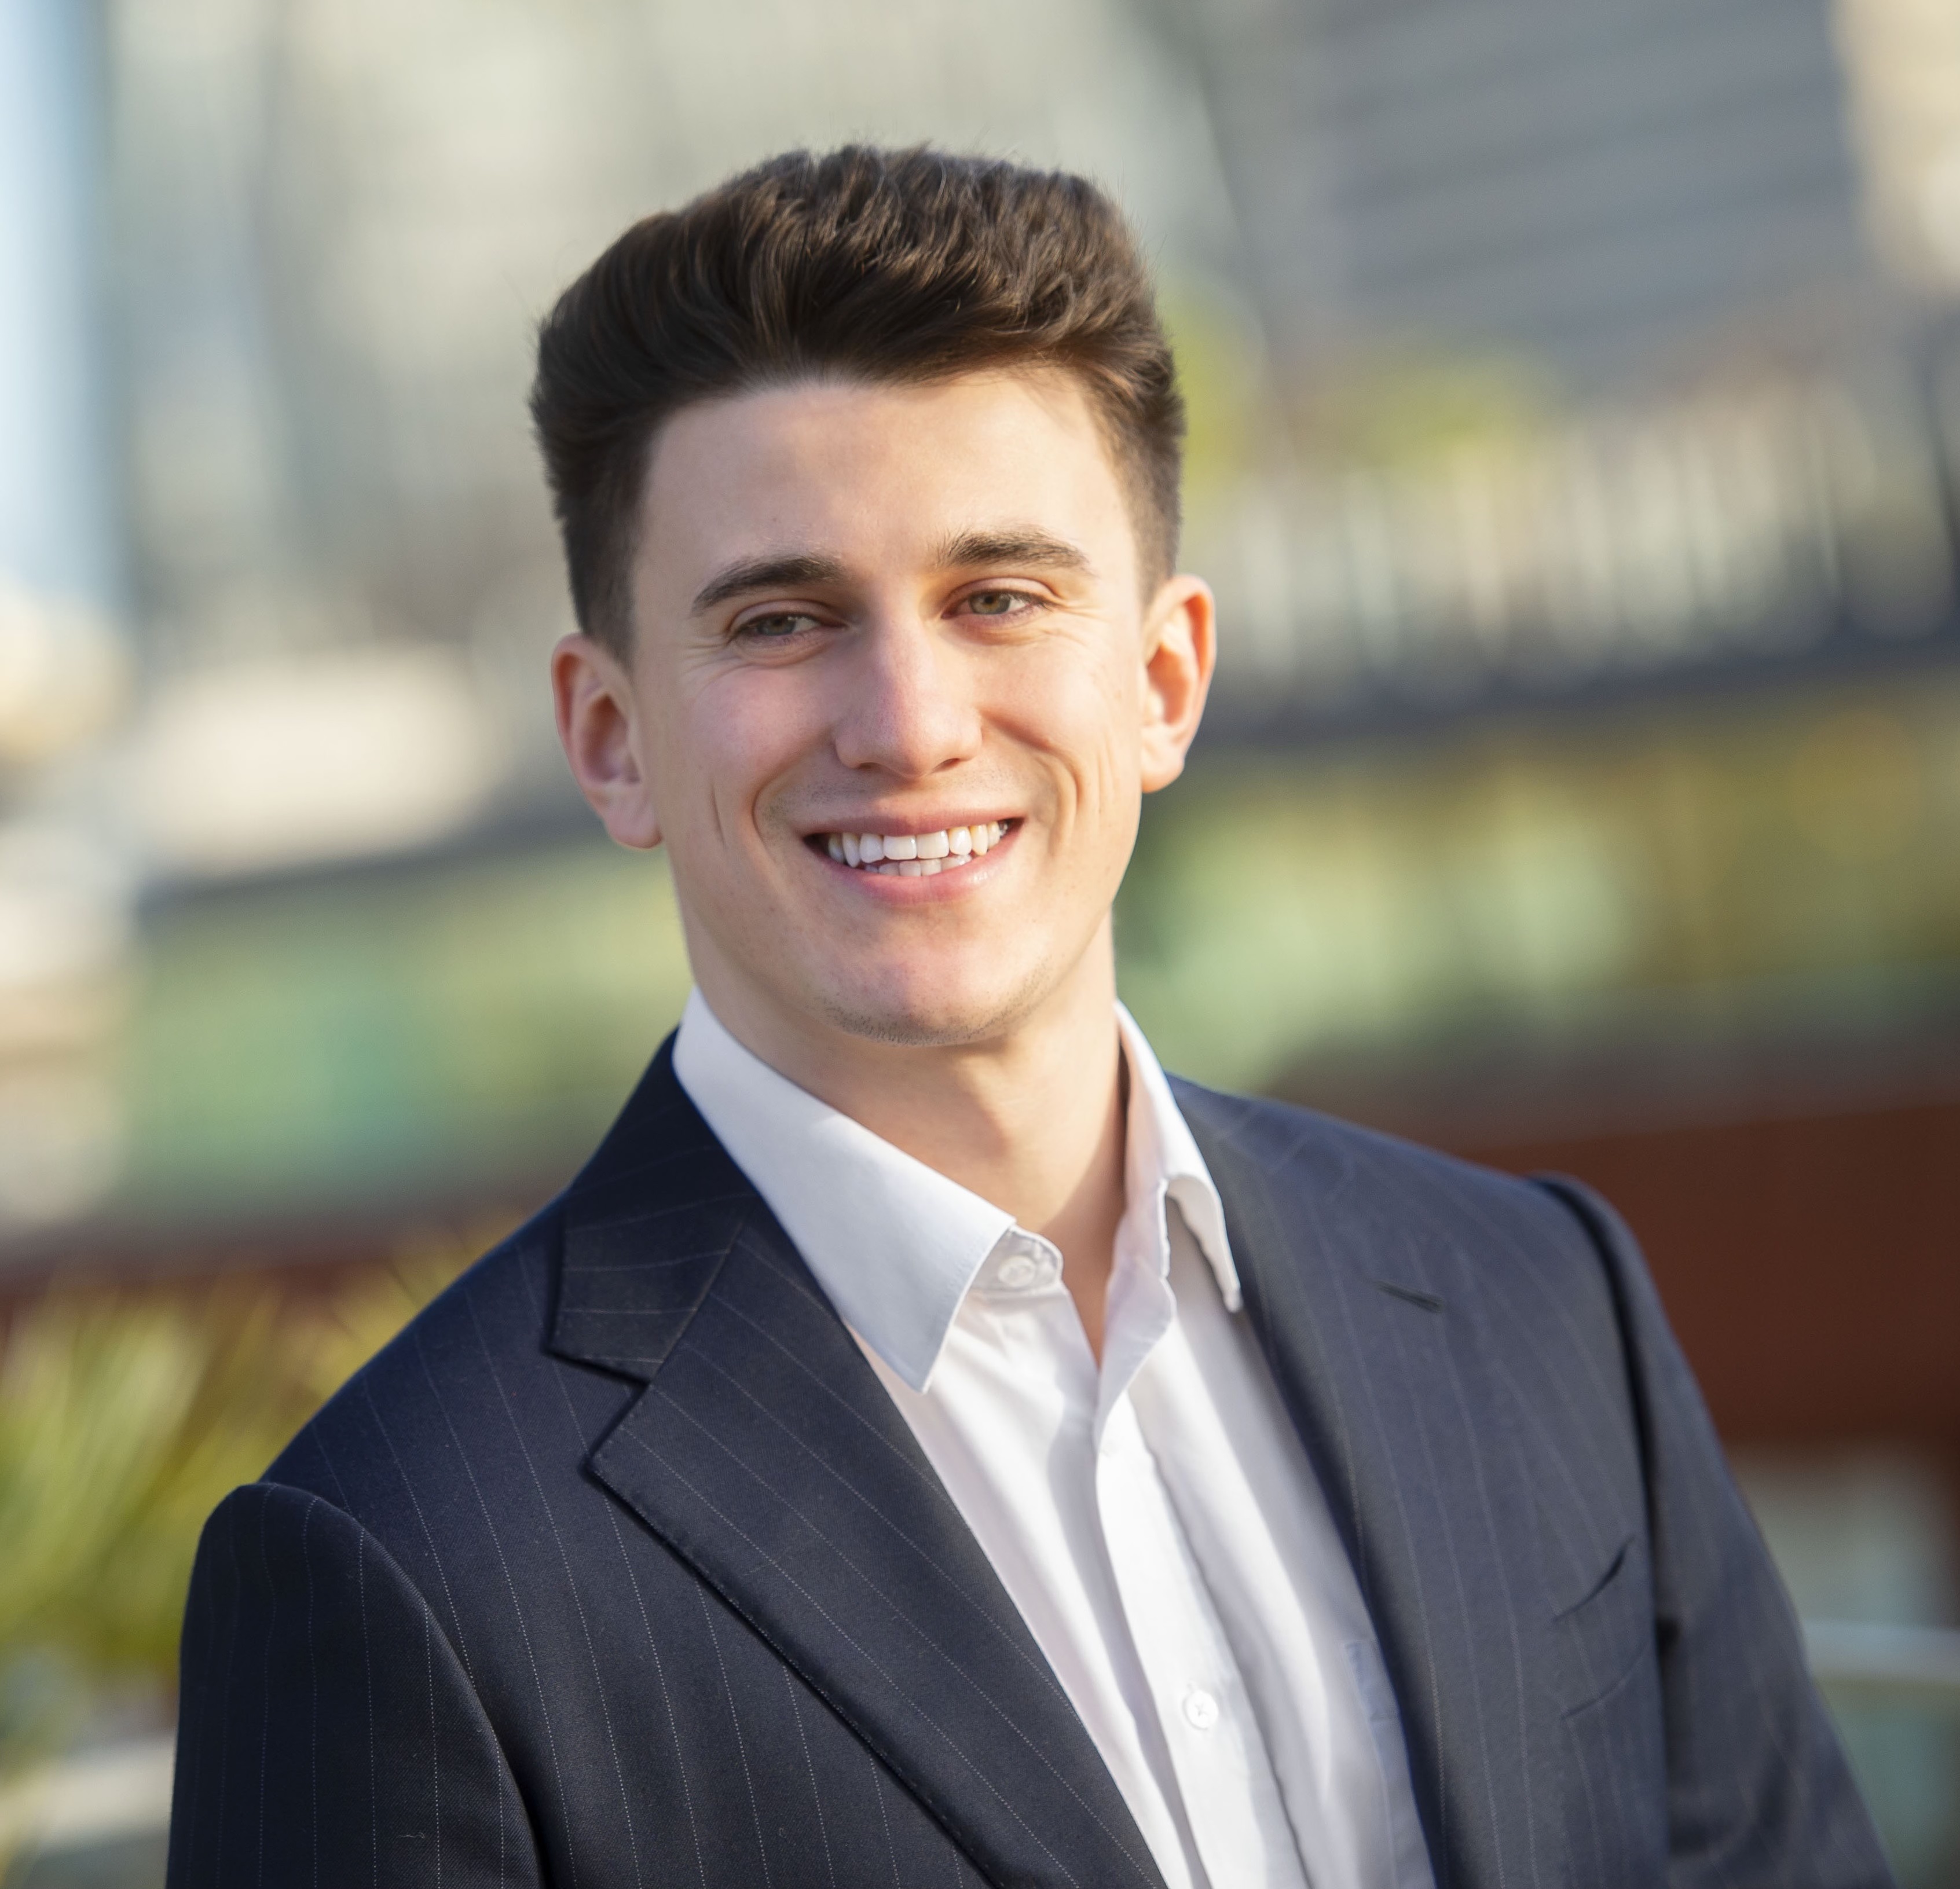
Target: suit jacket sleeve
(1758,1790)
(327,1732)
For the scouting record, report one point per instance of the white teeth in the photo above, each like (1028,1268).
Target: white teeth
(915,855)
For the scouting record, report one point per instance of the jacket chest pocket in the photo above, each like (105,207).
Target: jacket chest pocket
(1601,1639)
(1615,1795)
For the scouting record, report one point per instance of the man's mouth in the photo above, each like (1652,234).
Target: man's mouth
(914,855)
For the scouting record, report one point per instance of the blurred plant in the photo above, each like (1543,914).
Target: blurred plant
(1223,373)
(1410,408)
(124,1416)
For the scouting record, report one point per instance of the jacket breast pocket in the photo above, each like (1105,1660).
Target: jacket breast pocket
(1601,1637)
(1615,1791)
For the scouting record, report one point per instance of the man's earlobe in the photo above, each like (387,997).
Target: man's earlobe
(1179,654)
(599,728)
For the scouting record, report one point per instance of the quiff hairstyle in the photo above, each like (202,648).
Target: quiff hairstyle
(887,266)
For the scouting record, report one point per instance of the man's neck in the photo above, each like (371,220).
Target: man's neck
(1033,1121)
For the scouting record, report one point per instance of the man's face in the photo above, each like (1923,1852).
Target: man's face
(915,614)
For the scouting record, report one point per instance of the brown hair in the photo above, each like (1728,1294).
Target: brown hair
(885,266)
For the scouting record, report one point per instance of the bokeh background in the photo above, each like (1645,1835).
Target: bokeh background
(1576,388)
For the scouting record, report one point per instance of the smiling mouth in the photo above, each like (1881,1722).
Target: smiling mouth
(914,855)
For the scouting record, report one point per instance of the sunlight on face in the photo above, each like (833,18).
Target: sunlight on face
(891,673)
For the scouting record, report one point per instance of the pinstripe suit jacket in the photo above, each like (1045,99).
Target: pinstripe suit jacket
(619,1568)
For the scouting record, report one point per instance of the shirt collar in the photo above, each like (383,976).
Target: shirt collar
(1162,1155)
(895,1244)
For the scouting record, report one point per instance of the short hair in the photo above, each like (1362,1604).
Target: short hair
(892,267)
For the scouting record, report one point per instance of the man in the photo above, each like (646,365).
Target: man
(925,1446)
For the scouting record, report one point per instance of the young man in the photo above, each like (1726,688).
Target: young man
(925,1446)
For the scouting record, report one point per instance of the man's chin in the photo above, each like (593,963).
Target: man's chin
(933,1019)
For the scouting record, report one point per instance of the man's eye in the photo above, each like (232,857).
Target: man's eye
(996,602)
(777,628)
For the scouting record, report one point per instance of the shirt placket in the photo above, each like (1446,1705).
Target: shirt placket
(1193,1679)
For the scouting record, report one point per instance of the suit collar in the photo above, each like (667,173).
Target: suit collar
(648,1223)
(764,1451)
(1365,1311)
(895,1245)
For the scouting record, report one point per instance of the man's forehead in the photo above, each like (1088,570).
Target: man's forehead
(982,468)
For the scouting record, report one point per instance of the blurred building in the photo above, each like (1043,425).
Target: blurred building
(1601,189)
(65,890)
(1902,69)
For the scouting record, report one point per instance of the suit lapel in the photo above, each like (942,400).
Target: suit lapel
(765,1453)
(1363,1310)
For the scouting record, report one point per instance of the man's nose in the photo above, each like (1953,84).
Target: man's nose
(911,708)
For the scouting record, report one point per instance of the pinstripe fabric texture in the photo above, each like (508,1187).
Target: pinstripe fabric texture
(1600,1677)
(619,1568)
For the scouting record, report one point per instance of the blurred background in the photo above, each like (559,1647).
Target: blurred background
(1576,450)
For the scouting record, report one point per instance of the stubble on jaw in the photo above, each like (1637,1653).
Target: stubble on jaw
(937,1030)
(936,1025)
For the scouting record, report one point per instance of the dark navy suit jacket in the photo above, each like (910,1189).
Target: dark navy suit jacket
(619,1567)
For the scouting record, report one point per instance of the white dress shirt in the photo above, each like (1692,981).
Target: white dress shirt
(1155,1519)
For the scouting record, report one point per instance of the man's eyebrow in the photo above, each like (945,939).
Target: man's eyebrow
(786,570)
(1022,544)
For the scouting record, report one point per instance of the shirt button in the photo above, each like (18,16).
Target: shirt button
(1200,1709)
(1018,1271)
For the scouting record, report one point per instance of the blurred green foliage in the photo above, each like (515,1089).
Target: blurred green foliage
(473,1026)
(1222,373)
(1410,408)
(124,1416)
(1787,863)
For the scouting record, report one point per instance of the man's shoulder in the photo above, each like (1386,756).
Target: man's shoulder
(473,1365)
(1361,1184)
(1282,1140)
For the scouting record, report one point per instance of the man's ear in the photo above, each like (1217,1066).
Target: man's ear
(598,726)
(1180,649)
